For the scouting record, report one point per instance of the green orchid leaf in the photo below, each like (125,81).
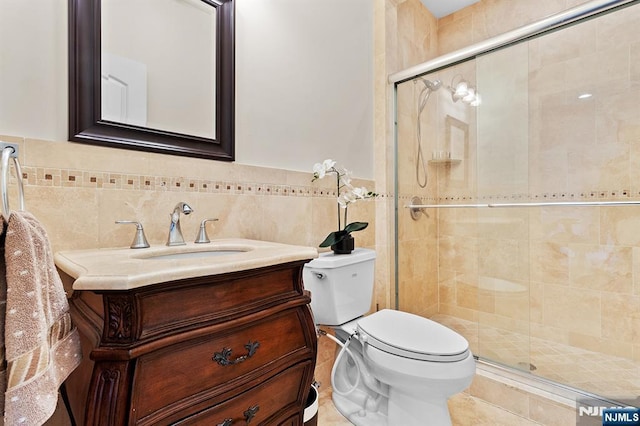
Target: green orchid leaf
(333,238)
(337,236)
(355,226)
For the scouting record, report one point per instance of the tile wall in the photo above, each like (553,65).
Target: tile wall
(78,191)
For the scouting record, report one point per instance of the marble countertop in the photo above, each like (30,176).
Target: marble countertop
(125,268)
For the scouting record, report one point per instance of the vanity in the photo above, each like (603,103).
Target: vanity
(202,334)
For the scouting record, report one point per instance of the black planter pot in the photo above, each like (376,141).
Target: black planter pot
(344,246)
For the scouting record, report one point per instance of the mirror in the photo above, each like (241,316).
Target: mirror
(153,75)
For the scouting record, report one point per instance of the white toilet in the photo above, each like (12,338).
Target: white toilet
(395,368)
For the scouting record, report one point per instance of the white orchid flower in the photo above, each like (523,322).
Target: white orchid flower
(320,169)
(361,192)
(346,194)
(346,198)
(328,164)
(345,177)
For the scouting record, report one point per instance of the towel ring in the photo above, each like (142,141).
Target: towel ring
(10,151)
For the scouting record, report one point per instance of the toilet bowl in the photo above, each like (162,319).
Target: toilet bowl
(395,368)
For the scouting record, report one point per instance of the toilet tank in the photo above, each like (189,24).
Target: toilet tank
(341,285)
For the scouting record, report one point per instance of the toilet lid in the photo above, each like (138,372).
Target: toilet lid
(412,336)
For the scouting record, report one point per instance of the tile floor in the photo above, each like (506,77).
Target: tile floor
(594,372)
(465,411)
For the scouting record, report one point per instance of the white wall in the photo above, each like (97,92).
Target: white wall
(304,73)
(305,83)
(33,69)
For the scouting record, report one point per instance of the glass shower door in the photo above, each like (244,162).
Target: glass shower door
(503,280)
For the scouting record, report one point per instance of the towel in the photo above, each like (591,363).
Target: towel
(41,344)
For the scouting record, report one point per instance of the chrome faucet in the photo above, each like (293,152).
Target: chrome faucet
(175,233)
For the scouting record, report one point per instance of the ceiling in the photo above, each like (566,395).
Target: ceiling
(440,8)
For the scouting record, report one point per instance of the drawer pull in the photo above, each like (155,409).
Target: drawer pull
(222,358)
(227,422)
(251,413)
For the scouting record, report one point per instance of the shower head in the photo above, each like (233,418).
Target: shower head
(431,85)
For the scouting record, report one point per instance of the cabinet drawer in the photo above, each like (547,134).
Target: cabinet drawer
(266,403)
(185,374)
(212,299)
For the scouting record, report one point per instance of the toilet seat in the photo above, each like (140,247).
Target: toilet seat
(411,336)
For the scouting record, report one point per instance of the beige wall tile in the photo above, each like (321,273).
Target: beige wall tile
(500,394)
(467,410)
(619,226)
(549,413)
(574,309)
(69,215)
(489,320)
(551,224)
(570,43)
(455,34)
(606,268)
(458,254)
(69,155)
(99,186)
(587,341)
(549,332)
(514,305)
(284,219)
(505,259)
(618,29)
(550,262)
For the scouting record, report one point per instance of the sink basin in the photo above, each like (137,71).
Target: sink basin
(195,254)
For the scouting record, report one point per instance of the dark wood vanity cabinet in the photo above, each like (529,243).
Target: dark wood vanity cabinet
(231,349)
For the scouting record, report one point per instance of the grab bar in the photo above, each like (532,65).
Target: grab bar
(531,204)
(10,150)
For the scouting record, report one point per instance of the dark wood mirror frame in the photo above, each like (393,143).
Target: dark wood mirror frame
(85,122)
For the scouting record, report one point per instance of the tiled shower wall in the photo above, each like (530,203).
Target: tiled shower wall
(580,266)
(417,41)
(576,270)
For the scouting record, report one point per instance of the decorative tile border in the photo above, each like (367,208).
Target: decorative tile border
(66,178)
(600,195)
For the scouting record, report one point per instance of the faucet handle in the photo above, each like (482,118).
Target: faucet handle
(139,240)
(202,234)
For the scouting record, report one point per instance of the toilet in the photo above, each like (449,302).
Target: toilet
(394,368)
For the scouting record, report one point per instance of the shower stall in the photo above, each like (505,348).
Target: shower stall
(518,197)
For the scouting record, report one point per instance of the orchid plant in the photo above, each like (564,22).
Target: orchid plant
(347,194)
